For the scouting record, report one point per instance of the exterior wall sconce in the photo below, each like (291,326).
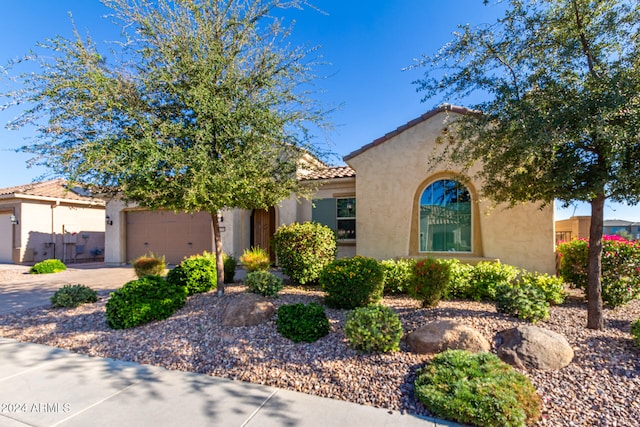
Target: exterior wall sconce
(14,220)
(220,217)
(108,220)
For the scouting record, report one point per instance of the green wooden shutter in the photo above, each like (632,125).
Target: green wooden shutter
(324,212)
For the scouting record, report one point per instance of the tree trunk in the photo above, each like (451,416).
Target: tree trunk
(219,263)
(595,319)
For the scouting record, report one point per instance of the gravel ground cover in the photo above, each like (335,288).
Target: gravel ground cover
(600,387)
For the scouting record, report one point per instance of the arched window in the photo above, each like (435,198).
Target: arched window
(445,217)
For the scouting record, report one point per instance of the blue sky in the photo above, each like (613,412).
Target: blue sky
(366,42)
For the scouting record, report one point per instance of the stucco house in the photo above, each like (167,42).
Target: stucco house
(385,203)
(45,220)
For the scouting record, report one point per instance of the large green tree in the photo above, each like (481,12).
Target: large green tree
(205,107)
(559,117)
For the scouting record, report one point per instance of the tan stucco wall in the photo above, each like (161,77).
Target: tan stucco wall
(392,174)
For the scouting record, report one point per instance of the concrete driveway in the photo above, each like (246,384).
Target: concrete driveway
(20,290)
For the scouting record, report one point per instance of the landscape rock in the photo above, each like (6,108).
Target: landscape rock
(247,310)
(441,335)
(532,347)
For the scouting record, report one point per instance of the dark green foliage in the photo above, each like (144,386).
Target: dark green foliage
(429,282)
(477,389)
(143,300)
(300,322)
(459,286)
(230,264)
(352,282)
(397,275)
(197,274)
(375,328)
(73,296)
(304,249)
(149,265)
(48,266)
(635,332)
(552,287)
(255,259)
(484,277)
(527,302)
(263,283)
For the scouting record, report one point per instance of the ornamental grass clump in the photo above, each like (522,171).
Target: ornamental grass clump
(263,283)
(197,274)
(71,296)
(373,329)
(352,282)
(48,266)
(477,389)
(149,265)
(300,322)
(429,281)
(255,259)
(527,302)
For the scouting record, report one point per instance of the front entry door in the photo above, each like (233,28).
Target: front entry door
(264,222)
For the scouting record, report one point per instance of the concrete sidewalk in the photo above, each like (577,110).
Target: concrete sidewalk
(46,386)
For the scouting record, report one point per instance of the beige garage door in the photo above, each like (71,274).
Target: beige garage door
(166,233)
(6,236)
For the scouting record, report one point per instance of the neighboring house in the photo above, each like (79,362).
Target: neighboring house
(615,226)
(396,207)
(46,220)
(576,227)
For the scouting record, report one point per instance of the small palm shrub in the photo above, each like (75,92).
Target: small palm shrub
(352,282)
(230,264)
(73,296)
(304,249)
(255,259)
(477,389)
(48,266)
(397,275)
(552,287)
(143,300)
(429,281)
(149,265)
(459,273)
(635,332)
(485,276)
(375,328)
(197,274)
(300,322)
(527,302)
(263,283)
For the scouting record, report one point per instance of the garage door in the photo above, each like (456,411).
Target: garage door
(6,237)
(166,233)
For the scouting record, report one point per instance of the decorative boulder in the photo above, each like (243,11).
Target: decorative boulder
(532,347)
(441,335)
(247,310)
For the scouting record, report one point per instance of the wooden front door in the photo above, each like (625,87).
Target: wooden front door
(264,224)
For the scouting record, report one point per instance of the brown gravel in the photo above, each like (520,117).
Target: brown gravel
(600,387)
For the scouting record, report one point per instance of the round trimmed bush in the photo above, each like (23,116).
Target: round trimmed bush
(352,282)
(485,276)
(300,322)
(552,287)
(429,281)
(48,266)
(197,273)
(477,389)
(459,286)
(149,265)
(73,296)
(527,302)
(304,249)
(143,300)
(375,328)
(263,283)
(397,275)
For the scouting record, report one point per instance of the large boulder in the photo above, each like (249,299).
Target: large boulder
(247,310)
(532,347)
(441,335)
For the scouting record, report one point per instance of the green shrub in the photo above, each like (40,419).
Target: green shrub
(551,286)
(255,259)
(429,282)
(143,300)
(230,264)
(197,273)
(485,276)
(300,322)
(375,328)
(73,296)
(527,302)
(263,283)
(352,282)
(149,265)
(459,273)
(635,332)
(477,389)
(397,275)
(304,249)
(48,266)
(620,277)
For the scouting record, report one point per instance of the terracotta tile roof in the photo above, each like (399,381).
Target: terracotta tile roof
(55,188)
(330,172)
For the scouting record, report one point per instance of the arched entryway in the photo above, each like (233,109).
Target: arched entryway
(263,225)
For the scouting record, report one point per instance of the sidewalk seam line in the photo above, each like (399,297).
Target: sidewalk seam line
(254,413)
